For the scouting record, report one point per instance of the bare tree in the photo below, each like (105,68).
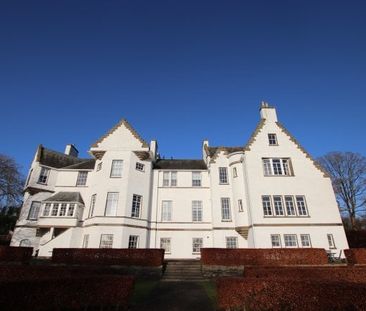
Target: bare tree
(348,173)
(11,183)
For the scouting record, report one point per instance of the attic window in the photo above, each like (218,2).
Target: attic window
(272,139)
(140,167)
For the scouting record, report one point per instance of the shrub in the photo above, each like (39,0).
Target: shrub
(15,254)
(355,255)
(109,256)
(279,294)
(73,293)
(263,256)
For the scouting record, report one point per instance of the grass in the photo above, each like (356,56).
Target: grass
(142,290)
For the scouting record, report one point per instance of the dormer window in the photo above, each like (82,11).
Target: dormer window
(43,176)
(272,139)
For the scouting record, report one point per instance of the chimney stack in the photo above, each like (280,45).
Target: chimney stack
(267,112)
(71,150)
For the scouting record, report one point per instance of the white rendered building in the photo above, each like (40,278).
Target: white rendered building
(268,193)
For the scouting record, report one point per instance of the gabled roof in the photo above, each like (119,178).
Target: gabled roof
(143,155)
(254,134)
(66,197)
(113,129)
(180,164)
(57,159)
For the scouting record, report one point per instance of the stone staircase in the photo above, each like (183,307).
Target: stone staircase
(183,270)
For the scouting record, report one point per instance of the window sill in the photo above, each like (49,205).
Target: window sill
(223,184)
(226,220)
(41,183)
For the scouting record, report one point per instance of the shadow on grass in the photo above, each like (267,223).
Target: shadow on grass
(142,290)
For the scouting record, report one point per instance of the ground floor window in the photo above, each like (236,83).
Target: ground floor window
(305,240)
(290,240)
(275,240)
(85,241)
(197,244)
(106,241)
(133,241)
(331,241)
(231,242)
(165,244)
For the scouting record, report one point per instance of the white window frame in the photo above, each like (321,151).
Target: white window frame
(240,206)
(71,209)
(55,208)
(136,206)
(302,209)
(290,205)
(278,205)
(165,243)
(272,139)
(43,175)
(166,210)
(133,241)
(140,167)
(277,167)
(223,176)
(276,241)
(170,179)
(196,179)
(231,242)
(82,178)
(93,200)
(287,240)
(330,239)
(225,209)
(197,211)
(34,210)
(62,210)
(267,205)
(47,209)
(305,240)
(197,244)
(116,169)
(111,204)
(106,241)
(85,241)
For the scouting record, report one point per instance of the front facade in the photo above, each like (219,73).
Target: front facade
(268,193)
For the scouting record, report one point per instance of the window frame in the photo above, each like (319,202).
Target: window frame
(169,251)
(106,241)
(194,245)
(133,241)
(99,166)
(196,182)
(291,235)
(294,208)
(113,207)
(279,240)
(331,242)
(116,172)
(227,207)
(43,174)
(235,172)
(197,211)
(136,207)
(240,206)
(308,240)
(265,208)
(33,213)
(223,176)
(305,207)
(272,139)
(81,178)
(275,206)
(47,209)
(166,210)
(140,167)
(274,167)
(232,238)
(93,200)
(85,243)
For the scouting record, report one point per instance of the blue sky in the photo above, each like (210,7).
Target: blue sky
(181,71)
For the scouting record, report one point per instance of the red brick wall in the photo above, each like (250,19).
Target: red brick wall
(15,254)
(262,256)
(355,256)
(109,256)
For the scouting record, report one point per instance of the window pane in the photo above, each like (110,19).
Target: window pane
(231,242)
(225,209)
(196,210)
(278,207)
(63,209)
(301,206)
(92,205)
(34,210)
(305,240)
(133,241)
(43,175)
(71,210)
(276,240)
(116,170)
(111,204)
(165,244)
(47,209)
(290,206)
(166,179)
(272,139)
(166,211)
(290,240)
(277,169)
(81,180)
(136,205)
(197,244)
(106,241)
(223,175)
(55,209)
(196,179)
(267,167)
(266,203)
(173,181)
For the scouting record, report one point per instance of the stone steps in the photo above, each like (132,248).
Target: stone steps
(183,270)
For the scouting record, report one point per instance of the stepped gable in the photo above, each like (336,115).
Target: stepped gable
(66,197)
(180,164)
(57,159)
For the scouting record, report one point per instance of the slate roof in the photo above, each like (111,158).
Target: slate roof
(180,164)
(57,159)
(66,197)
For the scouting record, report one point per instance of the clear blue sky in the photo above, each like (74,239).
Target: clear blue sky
(181,71)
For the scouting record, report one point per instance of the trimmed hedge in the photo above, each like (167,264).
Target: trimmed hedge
(263,256)
(356,256)
(326,273)
(16,254)
(356,238)
(280,294)
(109,256)
(73,293)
